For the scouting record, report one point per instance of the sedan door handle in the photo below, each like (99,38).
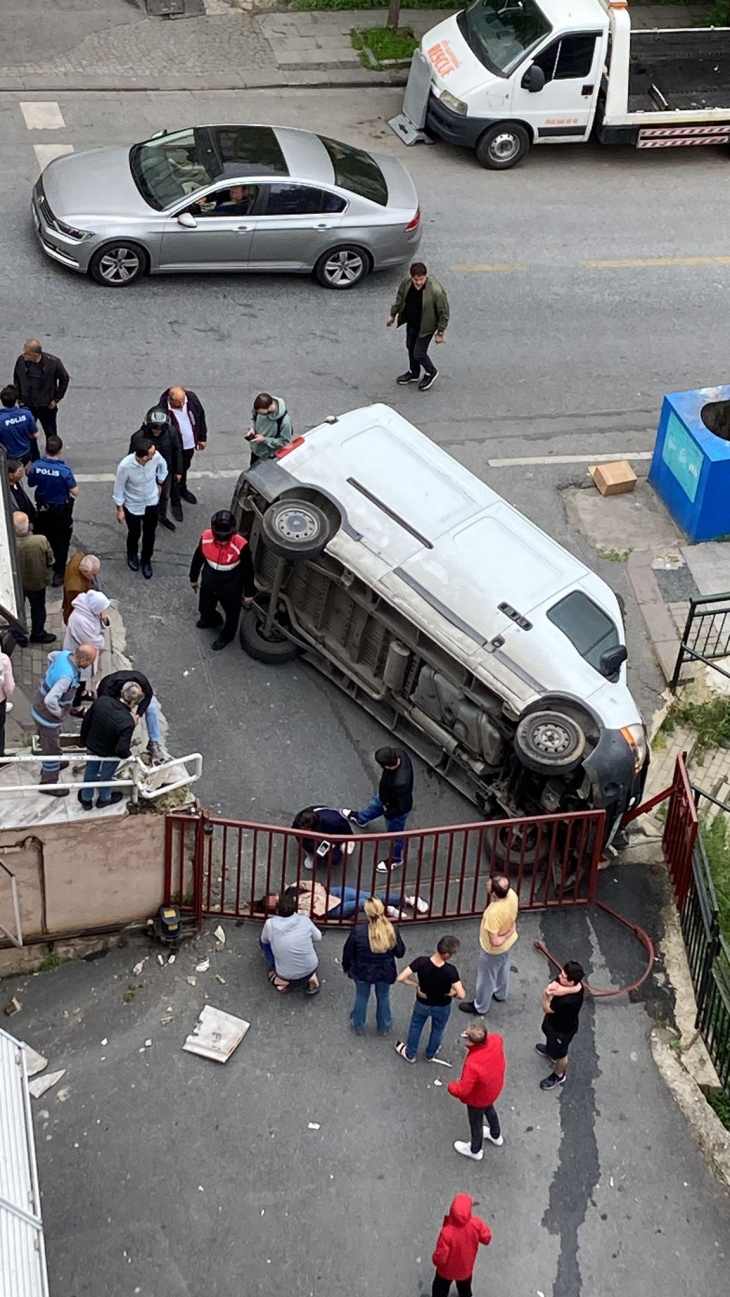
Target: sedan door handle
(243,227)
(324,225)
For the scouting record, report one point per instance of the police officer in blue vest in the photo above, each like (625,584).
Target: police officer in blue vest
(55,492)
(52,702)
(18,428)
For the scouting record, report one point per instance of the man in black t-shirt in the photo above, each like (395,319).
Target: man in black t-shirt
(562,1001)
(437,983)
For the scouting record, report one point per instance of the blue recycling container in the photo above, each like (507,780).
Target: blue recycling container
(690,467)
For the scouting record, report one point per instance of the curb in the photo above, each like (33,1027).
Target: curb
(336,79)
(711,1135)
(659,625)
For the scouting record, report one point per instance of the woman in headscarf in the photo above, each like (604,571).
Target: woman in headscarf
(86,625)
(82,571)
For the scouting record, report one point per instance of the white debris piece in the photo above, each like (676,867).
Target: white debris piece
(139,966)
(105,1041)
(43,1083)
(313,1125)
(220,979)
(203,966)
(147,1044)
(437,1082)
(171,960)
(220,935)
(63,1094)
(216,1035)
(34,1062)
(191,980)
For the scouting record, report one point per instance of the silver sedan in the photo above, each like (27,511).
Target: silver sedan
(228,198)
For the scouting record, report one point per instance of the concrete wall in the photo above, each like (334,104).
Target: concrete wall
(84,874)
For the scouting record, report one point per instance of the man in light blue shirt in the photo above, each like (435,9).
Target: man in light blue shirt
(136,494)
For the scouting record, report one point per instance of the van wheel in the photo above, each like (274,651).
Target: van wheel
(549,743)
(511,849)
(502,146)
(275,649)
(295,529)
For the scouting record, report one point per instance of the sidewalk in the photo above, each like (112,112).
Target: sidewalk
(229,50)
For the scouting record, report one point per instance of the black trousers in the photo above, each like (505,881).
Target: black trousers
(144,525)
(477,1117)
(37,601)
(47,418)
(418,352)
(3,711)
(55,522)
(187,461)
(169,493)
(229,597)
(442,1287)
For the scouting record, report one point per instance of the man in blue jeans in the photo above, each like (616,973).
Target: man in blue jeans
(337,902)
(437,983)
(106,732)
(393,800)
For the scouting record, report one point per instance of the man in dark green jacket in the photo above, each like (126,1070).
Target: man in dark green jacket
(422,305)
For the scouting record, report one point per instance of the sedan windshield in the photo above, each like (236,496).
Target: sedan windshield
(357,171)
(500,32)
(170,167)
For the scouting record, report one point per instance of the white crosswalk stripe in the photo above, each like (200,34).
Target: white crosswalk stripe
(45,153)
(42,115)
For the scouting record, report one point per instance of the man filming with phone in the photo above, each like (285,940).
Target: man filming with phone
(323,819)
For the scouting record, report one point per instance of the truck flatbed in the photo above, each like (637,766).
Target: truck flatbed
(679,70)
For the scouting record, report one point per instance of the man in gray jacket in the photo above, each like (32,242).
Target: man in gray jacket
(272,427)
(422,305)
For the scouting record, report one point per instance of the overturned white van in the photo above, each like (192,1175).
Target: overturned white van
(464,628)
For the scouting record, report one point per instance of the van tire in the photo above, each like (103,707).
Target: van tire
(505,849)
(503,146)
(274,651)
(295,529)
(550,743)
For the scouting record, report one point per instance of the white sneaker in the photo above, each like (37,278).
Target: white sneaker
(385,866)
(393,913)
(417,903)
(309,862)
(350,847)
(465,1149)
(497,1142)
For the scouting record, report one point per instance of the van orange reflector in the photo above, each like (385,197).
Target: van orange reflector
(286,450)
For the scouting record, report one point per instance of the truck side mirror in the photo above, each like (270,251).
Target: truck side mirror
(534,79)
(612,661)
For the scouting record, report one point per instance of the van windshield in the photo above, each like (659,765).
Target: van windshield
(501,32)
(587,627)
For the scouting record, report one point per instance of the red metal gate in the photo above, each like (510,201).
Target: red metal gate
(224,868)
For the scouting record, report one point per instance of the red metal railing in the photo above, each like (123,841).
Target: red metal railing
(680,832)
(225,867)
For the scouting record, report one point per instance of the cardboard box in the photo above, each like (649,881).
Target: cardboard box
(614,479)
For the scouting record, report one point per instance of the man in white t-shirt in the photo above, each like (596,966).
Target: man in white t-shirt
(187,413)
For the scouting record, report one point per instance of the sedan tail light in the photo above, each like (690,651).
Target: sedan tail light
(414,224)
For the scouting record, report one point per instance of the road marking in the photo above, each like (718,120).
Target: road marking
(42,115)
(487,267)
(45,153)
(571,459)
(648,263)
(211,472)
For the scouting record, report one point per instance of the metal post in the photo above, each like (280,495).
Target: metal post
(273,598)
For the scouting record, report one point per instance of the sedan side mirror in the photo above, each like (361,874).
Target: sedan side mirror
(534,79)
(187,220)
(612,661)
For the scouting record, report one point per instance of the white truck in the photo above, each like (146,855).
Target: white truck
(507,74)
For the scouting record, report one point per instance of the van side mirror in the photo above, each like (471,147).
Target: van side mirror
(612,661)
(187,220)
(534,79)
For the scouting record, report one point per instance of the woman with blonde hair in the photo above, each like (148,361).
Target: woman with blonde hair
(369,959)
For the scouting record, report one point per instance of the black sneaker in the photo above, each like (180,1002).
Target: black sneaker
(407,378)
(551,1081)
(169,526)
(45,638)
(133,562)
(220,643)
(88,806)
(468,1006)
(208,625)
(177,512)
(542,1049)
(57,579)
(146,571)
(112,801)
(428,381)
(188,495)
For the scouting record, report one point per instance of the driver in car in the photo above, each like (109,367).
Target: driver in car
(239,202)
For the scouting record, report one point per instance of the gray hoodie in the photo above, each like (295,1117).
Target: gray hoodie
(276,428)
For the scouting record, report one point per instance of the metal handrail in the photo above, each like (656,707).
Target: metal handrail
(136,782)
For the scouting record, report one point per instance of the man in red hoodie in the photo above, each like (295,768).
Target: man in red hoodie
(457,1247)
(480,1085)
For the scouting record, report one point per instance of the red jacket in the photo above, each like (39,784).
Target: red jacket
(458,1242)
(482,1076)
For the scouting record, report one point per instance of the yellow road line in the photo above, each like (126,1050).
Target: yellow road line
(631,263)
(488,267)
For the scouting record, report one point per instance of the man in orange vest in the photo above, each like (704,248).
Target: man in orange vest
(224,558)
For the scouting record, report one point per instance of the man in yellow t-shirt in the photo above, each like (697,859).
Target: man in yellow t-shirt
(497,936)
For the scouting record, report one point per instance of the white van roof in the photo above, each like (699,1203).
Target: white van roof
(452,553)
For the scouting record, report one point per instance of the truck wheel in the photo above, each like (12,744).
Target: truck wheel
(502,146)
(275,649)
(510,849)
(295,529)
(549,743)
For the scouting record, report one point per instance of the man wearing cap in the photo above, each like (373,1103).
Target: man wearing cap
(224,559)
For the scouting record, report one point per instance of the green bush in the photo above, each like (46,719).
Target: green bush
(383,44)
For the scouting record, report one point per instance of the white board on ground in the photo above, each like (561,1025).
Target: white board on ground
(216,1035)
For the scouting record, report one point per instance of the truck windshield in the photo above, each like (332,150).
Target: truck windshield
(500,32)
